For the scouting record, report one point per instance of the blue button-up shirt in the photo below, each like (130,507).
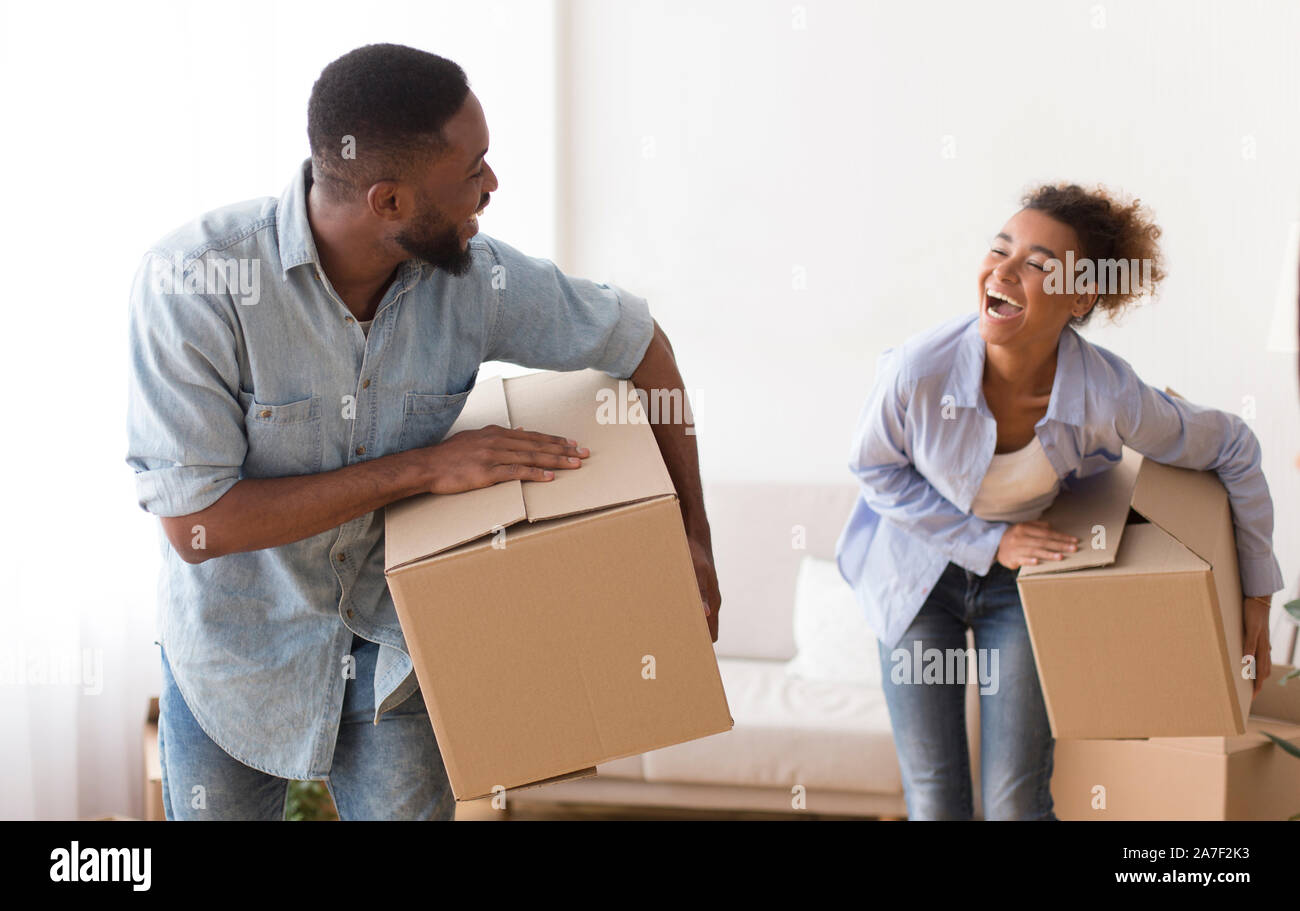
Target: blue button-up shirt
(246,364)
(926,438)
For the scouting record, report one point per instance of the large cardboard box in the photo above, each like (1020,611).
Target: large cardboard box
(1242,777)
(1138,634)
(555,625)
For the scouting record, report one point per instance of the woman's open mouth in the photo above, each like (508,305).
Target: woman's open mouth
(1001,307)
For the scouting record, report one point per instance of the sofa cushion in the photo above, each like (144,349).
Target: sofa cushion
(631,767)
(760,533)
(831,633)
(789,731)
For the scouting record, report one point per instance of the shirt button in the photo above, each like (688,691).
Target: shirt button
(361,450)
(365,384)
(349,613)
(340,558)
(347,319)
(266,413)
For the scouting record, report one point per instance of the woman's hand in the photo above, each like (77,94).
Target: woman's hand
(1025,543)
(1254,622)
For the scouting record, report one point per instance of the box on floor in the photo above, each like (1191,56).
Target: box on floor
(555,625)
(1241,777)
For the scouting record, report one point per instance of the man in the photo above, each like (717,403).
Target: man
(297,363)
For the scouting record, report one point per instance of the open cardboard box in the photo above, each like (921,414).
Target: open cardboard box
(1245,777)
(1138,633)
(555,625)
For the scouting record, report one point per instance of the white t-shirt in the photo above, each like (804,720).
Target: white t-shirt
(365,327)
(1018,486)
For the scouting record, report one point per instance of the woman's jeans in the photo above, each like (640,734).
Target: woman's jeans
(928,711)
(390,770)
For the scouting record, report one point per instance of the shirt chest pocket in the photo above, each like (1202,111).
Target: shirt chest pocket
(427,418)
(283,440)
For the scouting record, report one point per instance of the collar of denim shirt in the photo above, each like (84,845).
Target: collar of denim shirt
(965,379)
(294,238)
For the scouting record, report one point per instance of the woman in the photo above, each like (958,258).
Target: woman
(966,439)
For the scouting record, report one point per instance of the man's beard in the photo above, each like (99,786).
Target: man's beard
(436,241)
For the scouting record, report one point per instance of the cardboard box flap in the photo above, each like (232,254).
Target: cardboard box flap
(420,526)
(1099,501)
(601,413)
(606,416)
(1188,504)
(1147,549)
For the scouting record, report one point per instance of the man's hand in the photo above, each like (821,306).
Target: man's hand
(480,458)
(1254,621)
(710,597)
(1025,543)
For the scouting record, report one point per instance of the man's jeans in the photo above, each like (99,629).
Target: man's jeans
(390,770)
(929,718)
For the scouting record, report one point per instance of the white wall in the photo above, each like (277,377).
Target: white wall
(715,148)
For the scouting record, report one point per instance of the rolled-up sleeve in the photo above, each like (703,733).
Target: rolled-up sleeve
(1174,431)
(548,320)
(896,491)
(185,428)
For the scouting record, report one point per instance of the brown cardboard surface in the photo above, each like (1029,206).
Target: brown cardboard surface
(624,465)
(1193,506)
(1099,500)
(1244,777)
(530,646)
(1099,680)
(1142,640)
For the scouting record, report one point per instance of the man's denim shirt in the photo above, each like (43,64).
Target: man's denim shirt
(246,364)
(926,437)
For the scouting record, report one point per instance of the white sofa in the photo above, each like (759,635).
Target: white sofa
(834,739)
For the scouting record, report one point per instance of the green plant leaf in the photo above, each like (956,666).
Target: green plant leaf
(309,801)
(1293,608)
(1284,744)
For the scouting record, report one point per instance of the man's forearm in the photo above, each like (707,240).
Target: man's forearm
(658,371)
(267,512)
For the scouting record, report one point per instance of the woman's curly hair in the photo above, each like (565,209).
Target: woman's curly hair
(1109,227)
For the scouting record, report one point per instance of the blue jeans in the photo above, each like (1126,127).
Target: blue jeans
(390,770)
(929,716)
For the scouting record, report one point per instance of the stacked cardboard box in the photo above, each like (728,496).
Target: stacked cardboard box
(1238,777)
(1138,642)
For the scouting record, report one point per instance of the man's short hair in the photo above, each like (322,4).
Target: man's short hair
(393,102)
